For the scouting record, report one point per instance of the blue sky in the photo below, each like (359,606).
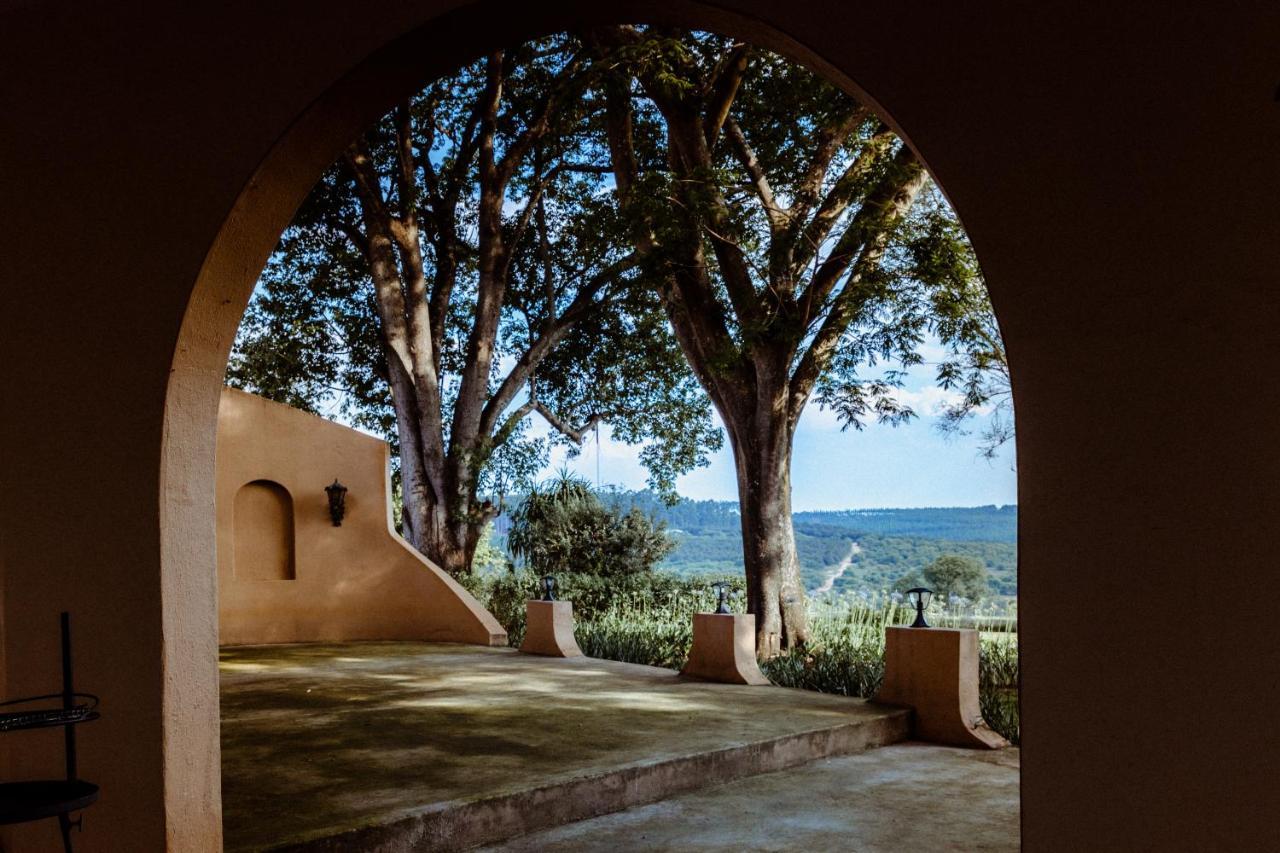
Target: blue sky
(881,466)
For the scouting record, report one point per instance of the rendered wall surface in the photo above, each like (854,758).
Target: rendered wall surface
(359,581)
(1114,163)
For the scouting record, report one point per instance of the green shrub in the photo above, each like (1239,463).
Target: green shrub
(562,526)
(647,618)
(637,600)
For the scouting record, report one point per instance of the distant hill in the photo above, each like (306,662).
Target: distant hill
(975,523)
(891,542)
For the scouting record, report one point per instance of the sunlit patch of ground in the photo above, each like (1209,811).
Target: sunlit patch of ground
(317,739)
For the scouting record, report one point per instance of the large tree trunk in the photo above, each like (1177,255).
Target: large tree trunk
(446,533)
(443,525)
(451,545)
(775,594)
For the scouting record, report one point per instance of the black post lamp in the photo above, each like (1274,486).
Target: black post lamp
(548,587)
(919,596)
(722,596)
(337,501)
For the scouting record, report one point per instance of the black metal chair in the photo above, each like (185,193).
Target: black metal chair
(25,801)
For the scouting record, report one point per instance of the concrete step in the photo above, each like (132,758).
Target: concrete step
(465,824)
(907,796)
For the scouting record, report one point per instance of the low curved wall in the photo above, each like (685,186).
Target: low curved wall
(360,581)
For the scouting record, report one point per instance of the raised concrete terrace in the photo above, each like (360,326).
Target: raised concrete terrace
(404,746)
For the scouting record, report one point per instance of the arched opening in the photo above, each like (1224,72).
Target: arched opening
(1132,269)
(264,547)
(262,213)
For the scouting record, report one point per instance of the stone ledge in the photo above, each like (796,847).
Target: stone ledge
(463,824)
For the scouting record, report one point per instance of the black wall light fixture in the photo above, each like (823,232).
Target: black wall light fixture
(337,501)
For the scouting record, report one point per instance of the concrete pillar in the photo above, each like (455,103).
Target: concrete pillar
(935,672)
(549,629)
(724,649)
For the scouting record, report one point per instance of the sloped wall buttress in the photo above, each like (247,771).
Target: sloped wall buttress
(287,574)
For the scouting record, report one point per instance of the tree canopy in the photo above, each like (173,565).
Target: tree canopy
(457,273)
(631,226)
(952,575)
(800,251)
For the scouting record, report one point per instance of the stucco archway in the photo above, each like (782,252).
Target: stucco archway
(1115,168)
(310,146)
(293,166)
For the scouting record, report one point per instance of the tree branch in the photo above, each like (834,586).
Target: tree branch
(575,435)
(379,253)
(548,270)
(705,209)
(759,180)
(830,138)
(884,204)
(404,330)
(522,221)
(555,332)
(853,298)
(689,116)
(723,89)
(406,171)
(695,314)
(470,142)
(837,200)
(550,107)
(430,177)
(473,383)
(353,234)
(620,136)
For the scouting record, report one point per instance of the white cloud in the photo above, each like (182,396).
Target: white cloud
(928,400)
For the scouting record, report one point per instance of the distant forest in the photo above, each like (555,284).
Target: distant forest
(892,542)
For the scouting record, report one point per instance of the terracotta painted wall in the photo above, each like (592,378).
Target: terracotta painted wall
(359,581)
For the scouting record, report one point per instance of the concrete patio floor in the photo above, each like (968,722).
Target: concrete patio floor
(909,796)
(421,746)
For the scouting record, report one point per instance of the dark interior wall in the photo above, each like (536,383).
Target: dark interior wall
(1116,168)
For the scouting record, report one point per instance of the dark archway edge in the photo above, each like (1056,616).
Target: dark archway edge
(1115,167)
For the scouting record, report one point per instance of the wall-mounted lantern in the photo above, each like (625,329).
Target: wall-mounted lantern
(337,501)
(919,596)
(722,596)
(548,587)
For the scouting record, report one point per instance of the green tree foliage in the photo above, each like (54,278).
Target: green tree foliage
(457,273)
(800,251)
(977,523)
(952,575)
(911,580)
(490,558)
(563,527)
(632,225)
(885,558)
(980,372)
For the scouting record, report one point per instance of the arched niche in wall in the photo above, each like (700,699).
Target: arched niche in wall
(263,533)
